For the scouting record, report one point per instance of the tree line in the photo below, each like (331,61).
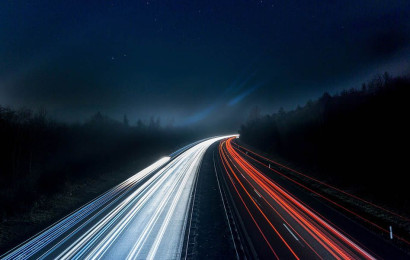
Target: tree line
(39,155)
(356,138)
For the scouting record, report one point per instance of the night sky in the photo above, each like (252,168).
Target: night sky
(193,62)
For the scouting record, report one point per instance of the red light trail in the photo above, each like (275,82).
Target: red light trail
(306,226)
(385,230)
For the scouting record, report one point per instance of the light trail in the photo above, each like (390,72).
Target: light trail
(146,216)
(40,241)
(385,230)
(324,183)
(300,221)
(143,217)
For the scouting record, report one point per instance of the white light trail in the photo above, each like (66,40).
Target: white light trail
(143,217)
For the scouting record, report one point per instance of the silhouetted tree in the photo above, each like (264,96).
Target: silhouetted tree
(39,155)
(125,120)
(140,124)
(281,111)
(352,138)
(254,113)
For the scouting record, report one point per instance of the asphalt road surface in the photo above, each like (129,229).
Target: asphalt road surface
(207,200)
(281,221)
(142,218)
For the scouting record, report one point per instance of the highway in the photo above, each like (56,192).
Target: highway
(211,190)
(281,221)
(144,217)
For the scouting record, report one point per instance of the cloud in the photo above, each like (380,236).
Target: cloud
(244,94)
(237,85)
(199,116)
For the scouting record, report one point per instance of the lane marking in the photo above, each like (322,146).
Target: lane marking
(223,203)
(290,232)
(258,193)
(256,201)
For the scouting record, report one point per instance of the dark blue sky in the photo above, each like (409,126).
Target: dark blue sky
(193,61)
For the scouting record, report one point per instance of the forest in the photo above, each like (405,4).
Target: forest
(40,156)
(355,139)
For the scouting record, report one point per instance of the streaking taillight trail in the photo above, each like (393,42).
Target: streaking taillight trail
(304,224)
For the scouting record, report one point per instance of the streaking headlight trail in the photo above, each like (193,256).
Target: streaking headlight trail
(142,218)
